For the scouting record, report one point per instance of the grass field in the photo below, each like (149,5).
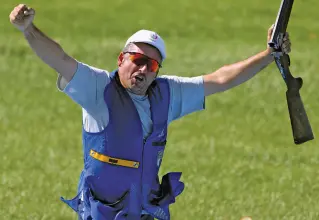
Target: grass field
(247,164)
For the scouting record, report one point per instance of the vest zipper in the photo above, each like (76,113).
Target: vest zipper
(142,196)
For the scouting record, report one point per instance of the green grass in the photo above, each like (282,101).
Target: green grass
(237,157)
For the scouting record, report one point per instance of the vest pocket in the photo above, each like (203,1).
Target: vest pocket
(105,210)
(101,211)
(118,204)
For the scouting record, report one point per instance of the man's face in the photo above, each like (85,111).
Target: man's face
(137,67)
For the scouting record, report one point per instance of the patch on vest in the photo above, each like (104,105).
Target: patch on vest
(159,157)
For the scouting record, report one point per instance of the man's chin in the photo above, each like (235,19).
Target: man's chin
(137,91)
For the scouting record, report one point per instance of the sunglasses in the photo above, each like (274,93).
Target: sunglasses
(140,60)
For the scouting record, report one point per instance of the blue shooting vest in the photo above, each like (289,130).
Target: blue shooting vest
(120,175)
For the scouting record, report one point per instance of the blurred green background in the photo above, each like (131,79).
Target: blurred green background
(246,162)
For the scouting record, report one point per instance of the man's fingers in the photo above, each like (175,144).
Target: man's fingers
(19,14)
(20,8)
(288,50)
(286,47)
(286,43)
(18,11)
(22,16)
(14,16)
(28,12)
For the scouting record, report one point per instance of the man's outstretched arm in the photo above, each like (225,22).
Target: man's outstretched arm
(47,49)
(235,74)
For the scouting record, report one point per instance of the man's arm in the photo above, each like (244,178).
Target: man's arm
(233,75)
(48,50)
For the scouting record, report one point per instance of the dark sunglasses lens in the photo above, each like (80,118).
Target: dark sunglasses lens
(140,61)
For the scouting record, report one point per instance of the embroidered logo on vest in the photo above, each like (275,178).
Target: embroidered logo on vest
(161,134)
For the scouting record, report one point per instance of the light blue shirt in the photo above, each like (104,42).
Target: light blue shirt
(87,89)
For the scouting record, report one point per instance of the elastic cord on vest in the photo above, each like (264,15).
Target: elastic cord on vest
(114,161)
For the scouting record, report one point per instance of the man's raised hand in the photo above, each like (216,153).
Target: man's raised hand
(22,17)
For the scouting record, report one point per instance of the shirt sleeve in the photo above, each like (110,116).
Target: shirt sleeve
(186,96)
(86,87)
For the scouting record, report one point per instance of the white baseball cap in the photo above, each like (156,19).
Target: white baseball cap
(148,37)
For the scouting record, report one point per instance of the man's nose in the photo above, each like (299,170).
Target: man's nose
(144,68)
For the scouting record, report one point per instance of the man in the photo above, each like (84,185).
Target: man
(125,117)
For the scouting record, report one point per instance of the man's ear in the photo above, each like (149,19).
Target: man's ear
(120,59)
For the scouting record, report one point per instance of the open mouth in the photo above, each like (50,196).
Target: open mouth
(139,78)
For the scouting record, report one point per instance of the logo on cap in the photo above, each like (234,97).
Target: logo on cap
(154,36)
